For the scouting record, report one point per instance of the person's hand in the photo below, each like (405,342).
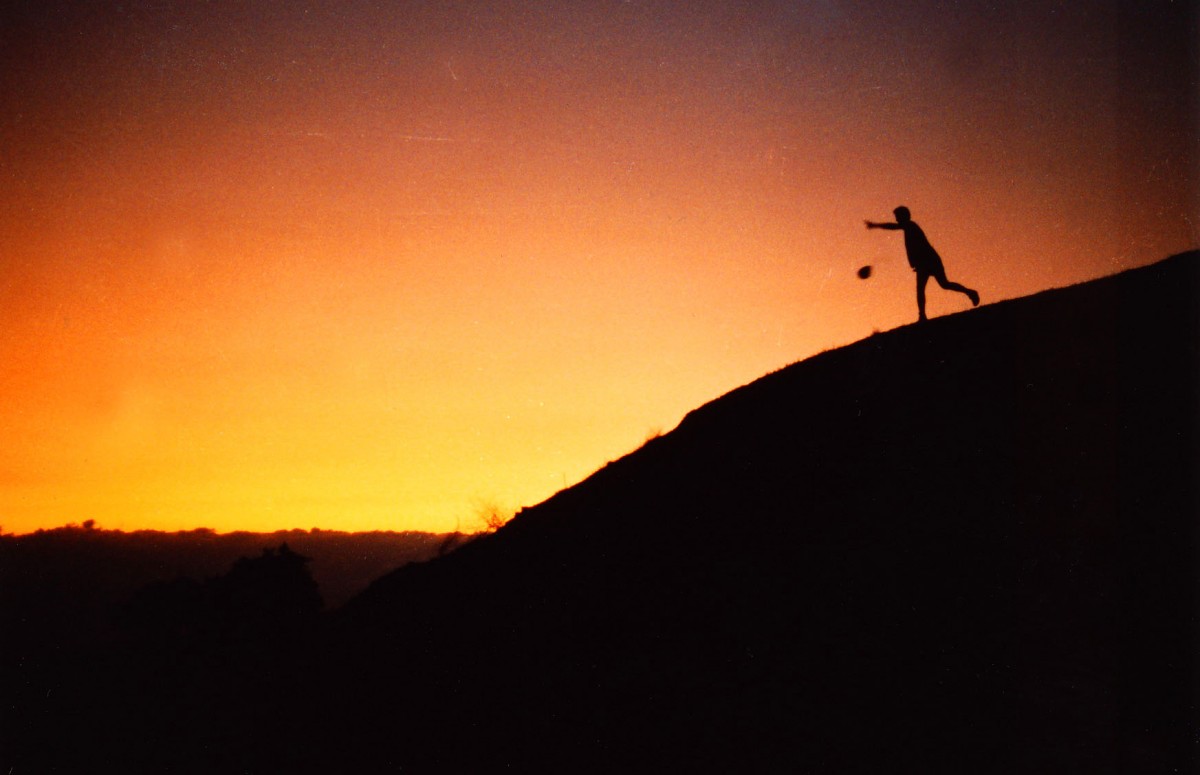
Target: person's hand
(869,224)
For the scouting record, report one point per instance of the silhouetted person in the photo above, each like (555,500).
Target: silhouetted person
(924,260)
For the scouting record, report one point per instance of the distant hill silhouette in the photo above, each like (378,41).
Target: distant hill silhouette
(965,546)
(107,565)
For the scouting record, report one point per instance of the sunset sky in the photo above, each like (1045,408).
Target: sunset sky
(382,265)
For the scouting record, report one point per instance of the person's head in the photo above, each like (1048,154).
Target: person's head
(902,214)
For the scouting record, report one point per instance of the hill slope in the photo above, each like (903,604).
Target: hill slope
(968,544)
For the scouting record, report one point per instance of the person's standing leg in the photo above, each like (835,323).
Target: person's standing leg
(922,278)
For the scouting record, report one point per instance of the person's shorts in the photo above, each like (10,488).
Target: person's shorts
(931,267)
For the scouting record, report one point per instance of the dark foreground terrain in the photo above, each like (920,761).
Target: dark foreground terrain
(968,546)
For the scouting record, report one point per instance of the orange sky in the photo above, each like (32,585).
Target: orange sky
(276,265)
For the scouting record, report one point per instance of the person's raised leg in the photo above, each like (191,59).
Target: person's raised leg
(970,294)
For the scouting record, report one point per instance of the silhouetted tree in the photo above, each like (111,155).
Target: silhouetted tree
(261,598)
(273,590)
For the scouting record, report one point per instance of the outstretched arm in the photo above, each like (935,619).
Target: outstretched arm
(889,226)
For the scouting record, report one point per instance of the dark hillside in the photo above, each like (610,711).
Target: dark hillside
(967,546)
(964,546)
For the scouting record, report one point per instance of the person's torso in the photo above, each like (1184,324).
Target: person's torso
(921,254)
